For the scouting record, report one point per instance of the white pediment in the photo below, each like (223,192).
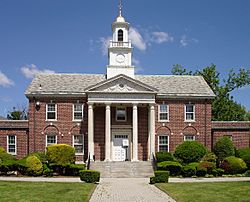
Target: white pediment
(122,84)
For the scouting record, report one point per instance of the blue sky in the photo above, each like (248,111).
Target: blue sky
(70,37)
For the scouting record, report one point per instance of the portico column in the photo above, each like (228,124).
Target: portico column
(107,133)
(91,131)
(135,133)
(152,129)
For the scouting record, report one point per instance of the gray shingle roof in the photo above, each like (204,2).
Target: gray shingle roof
(172,86)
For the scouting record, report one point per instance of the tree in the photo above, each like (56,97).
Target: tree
(224,108)
(19,113)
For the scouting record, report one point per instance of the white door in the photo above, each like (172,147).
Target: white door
(119,152)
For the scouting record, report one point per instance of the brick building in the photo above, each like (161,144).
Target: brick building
(117,116)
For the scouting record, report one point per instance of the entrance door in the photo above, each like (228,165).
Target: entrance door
(119,151)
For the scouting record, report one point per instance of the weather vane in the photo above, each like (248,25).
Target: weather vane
(120,8)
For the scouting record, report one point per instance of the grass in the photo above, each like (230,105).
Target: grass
(207,192)
(45,191)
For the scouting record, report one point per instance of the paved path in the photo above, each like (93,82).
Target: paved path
(128,189)
(41,179)
(218,179)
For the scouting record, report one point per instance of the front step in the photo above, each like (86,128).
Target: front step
(140,169)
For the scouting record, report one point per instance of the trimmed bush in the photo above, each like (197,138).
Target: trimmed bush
(209,166)
(8,166)
(152,180)
(164,156)
(6,157)
(74,169)
(2,150)
(190,151)
(217,172)
(224,148)
(90,176)
(201,171)
(172,166)
(161,176)
(233,165)
(242,152)
(246,158)
(47,171)
(34,166)
(41,156)
(209,157)
(61,154)
(190,169)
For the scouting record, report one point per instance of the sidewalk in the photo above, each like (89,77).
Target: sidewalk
(218,179)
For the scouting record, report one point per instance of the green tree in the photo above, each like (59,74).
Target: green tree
(224,108)
(19,113)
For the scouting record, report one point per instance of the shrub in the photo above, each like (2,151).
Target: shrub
(2,150)
(233,165)
(6,157)
(74,169)
(61,154)
(247,173)
(242,152)
(8,166)
(209,157)
(217,172)
(190,169)
(172,166)
(34,166)
(161,176)
(164,156)
(47,171)
(224,148)
(190,151)
(246,158)
(209,166)
(152,180)
(90,176)
(41,156)
(201,171)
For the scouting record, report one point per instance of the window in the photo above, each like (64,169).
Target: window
(120,35)
(163,112)
(11,144)
(163,143)
(189,137)
(121,114)
(77,112)
(51,139)
(78,143)
(189,112)
(51,112)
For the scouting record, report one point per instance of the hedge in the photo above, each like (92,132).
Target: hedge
(190,151)
(161,176)
(164,156)
(242,152)
(90,176)
(233,165)
(190,169)
(172,166)
(34,166)
(224,148)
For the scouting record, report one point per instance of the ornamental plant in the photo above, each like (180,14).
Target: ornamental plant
(164,156)
(173,167)
(90,176)
(190,151)
(233,165)
(224,148)
(34,166)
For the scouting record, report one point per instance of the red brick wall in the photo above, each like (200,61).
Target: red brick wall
(143,133)
(176,127)
(239,131)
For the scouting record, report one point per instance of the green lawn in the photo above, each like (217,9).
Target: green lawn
(45,191)
(208,192)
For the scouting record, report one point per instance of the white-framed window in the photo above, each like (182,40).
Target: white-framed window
(189,138)
(163,143)
(78,143)
(51,139)
(189,112)
(163,112)
(51,112)
(11,144)
(121,114)
(77,112)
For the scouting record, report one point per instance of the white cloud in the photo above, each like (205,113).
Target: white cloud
(104,44)
(161,37)
(137,39)
(5,81)
(29,71)
(135,62)
(185,41)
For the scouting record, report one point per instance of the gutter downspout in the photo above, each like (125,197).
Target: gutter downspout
(34,120)
(205,123)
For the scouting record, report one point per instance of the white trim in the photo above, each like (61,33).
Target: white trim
(73,143)
(46,140)
(15,153)
(184,137)
(73,115)
(185,113)
(47,112)
(159,112)
(121,107)
(158,149)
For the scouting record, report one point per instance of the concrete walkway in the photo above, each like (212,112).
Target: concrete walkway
(128,189)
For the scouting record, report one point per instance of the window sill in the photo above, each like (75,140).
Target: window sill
(189,121)
(78,120)
(163,121)
(79,154)
(51,120)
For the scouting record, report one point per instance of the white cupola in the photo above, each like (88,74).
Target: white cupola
(120,49)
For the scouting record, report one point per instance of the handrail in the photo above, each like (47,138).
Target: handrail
(154,161)
(88,162)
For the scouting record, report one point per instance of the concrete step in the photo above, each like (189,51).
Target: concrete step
(123,169)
